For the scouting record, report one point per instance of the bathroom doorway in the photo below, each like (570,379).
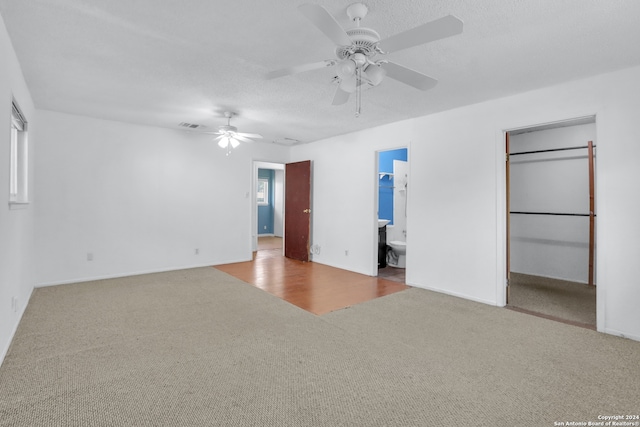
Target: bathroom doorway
(551,221)
(392,183)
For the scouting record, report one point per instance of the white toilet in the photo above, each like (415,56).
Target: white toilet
(398,256)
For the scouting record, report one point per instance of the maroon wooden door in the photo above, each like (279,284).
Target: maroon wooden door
(297,210)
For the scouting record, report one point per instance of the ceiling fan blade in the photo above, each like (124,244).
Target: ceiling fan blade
(326,23)
(425,33)
(409,76)
(300,69)
(239,137)
(249,135)
(340,96)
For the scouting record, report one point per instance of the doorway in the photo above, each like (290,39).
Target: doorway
(392,180)
(268,208)
(282,200)
(551,221)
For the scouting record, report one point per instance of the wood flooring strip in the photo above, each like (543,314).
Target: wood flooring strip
(311,286)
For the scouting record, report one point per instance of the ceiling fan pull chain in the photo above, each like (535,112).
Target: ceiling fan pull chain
(358,90)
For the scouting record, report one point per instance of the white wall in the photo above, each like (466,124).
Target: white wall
(17,253)
(551,246)
(456,214)
(139,199)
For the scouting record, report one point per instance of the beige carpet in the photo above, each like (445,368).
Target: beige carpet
(575,302)
(201,348)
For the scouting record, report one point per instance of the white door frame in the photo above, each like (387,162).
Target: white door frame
(502,219)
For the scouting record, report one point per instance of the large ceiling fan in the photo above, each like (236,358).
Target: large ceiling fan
(357,48)
(229,137)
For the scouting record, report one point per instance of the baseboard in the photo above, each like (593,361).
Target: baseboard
(133,273)
(454,294)
(620,334)
(5,349)
(341,267)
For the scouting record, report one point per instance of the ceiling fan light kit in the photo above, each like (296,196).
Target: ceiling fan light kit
(229,137)
(375,74)
(357,47)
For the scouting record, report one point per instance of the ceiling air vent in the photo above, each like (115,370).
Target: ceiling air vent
(189,125)
(286,141)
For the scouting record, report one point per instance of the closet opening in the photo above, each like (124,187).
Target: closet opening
(551,221)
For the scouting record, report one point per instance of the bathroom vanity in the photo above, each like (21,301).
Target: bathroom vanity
(382,246)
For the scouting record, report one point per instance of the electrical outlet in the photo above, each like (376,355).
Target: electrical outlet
(346,252)
(14,304)
(197,251)
(89,256)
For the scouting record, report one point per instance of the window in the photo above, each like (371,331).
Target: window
(19,152)
(263,191)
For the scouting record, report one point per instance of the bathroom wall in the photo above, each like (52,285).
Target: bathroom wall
(386,182)
(551,246)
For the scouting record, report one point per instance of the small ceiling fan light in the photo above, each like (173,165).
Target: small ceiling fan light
(375,74)
(349,84)
(234,142)
(346,68)
(223,142)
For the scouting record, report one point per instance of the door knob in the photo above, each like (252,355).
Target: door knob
(307,211)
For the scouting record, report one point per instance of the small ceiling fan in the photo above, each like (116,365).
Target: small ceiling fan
(355,63)
(229,137)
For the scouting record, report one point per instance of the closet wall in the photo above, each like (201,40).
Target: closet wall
(555,182)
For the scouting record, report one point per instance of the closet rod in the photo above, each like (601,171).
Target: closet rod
(549,213)
(550,150)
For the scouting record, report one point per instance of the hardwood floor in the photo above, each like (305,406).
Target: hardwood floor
(392,273)
(269,242)
(314,287)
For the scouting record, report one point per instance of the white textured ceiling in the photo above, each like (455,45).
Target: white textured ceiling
(162,62)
